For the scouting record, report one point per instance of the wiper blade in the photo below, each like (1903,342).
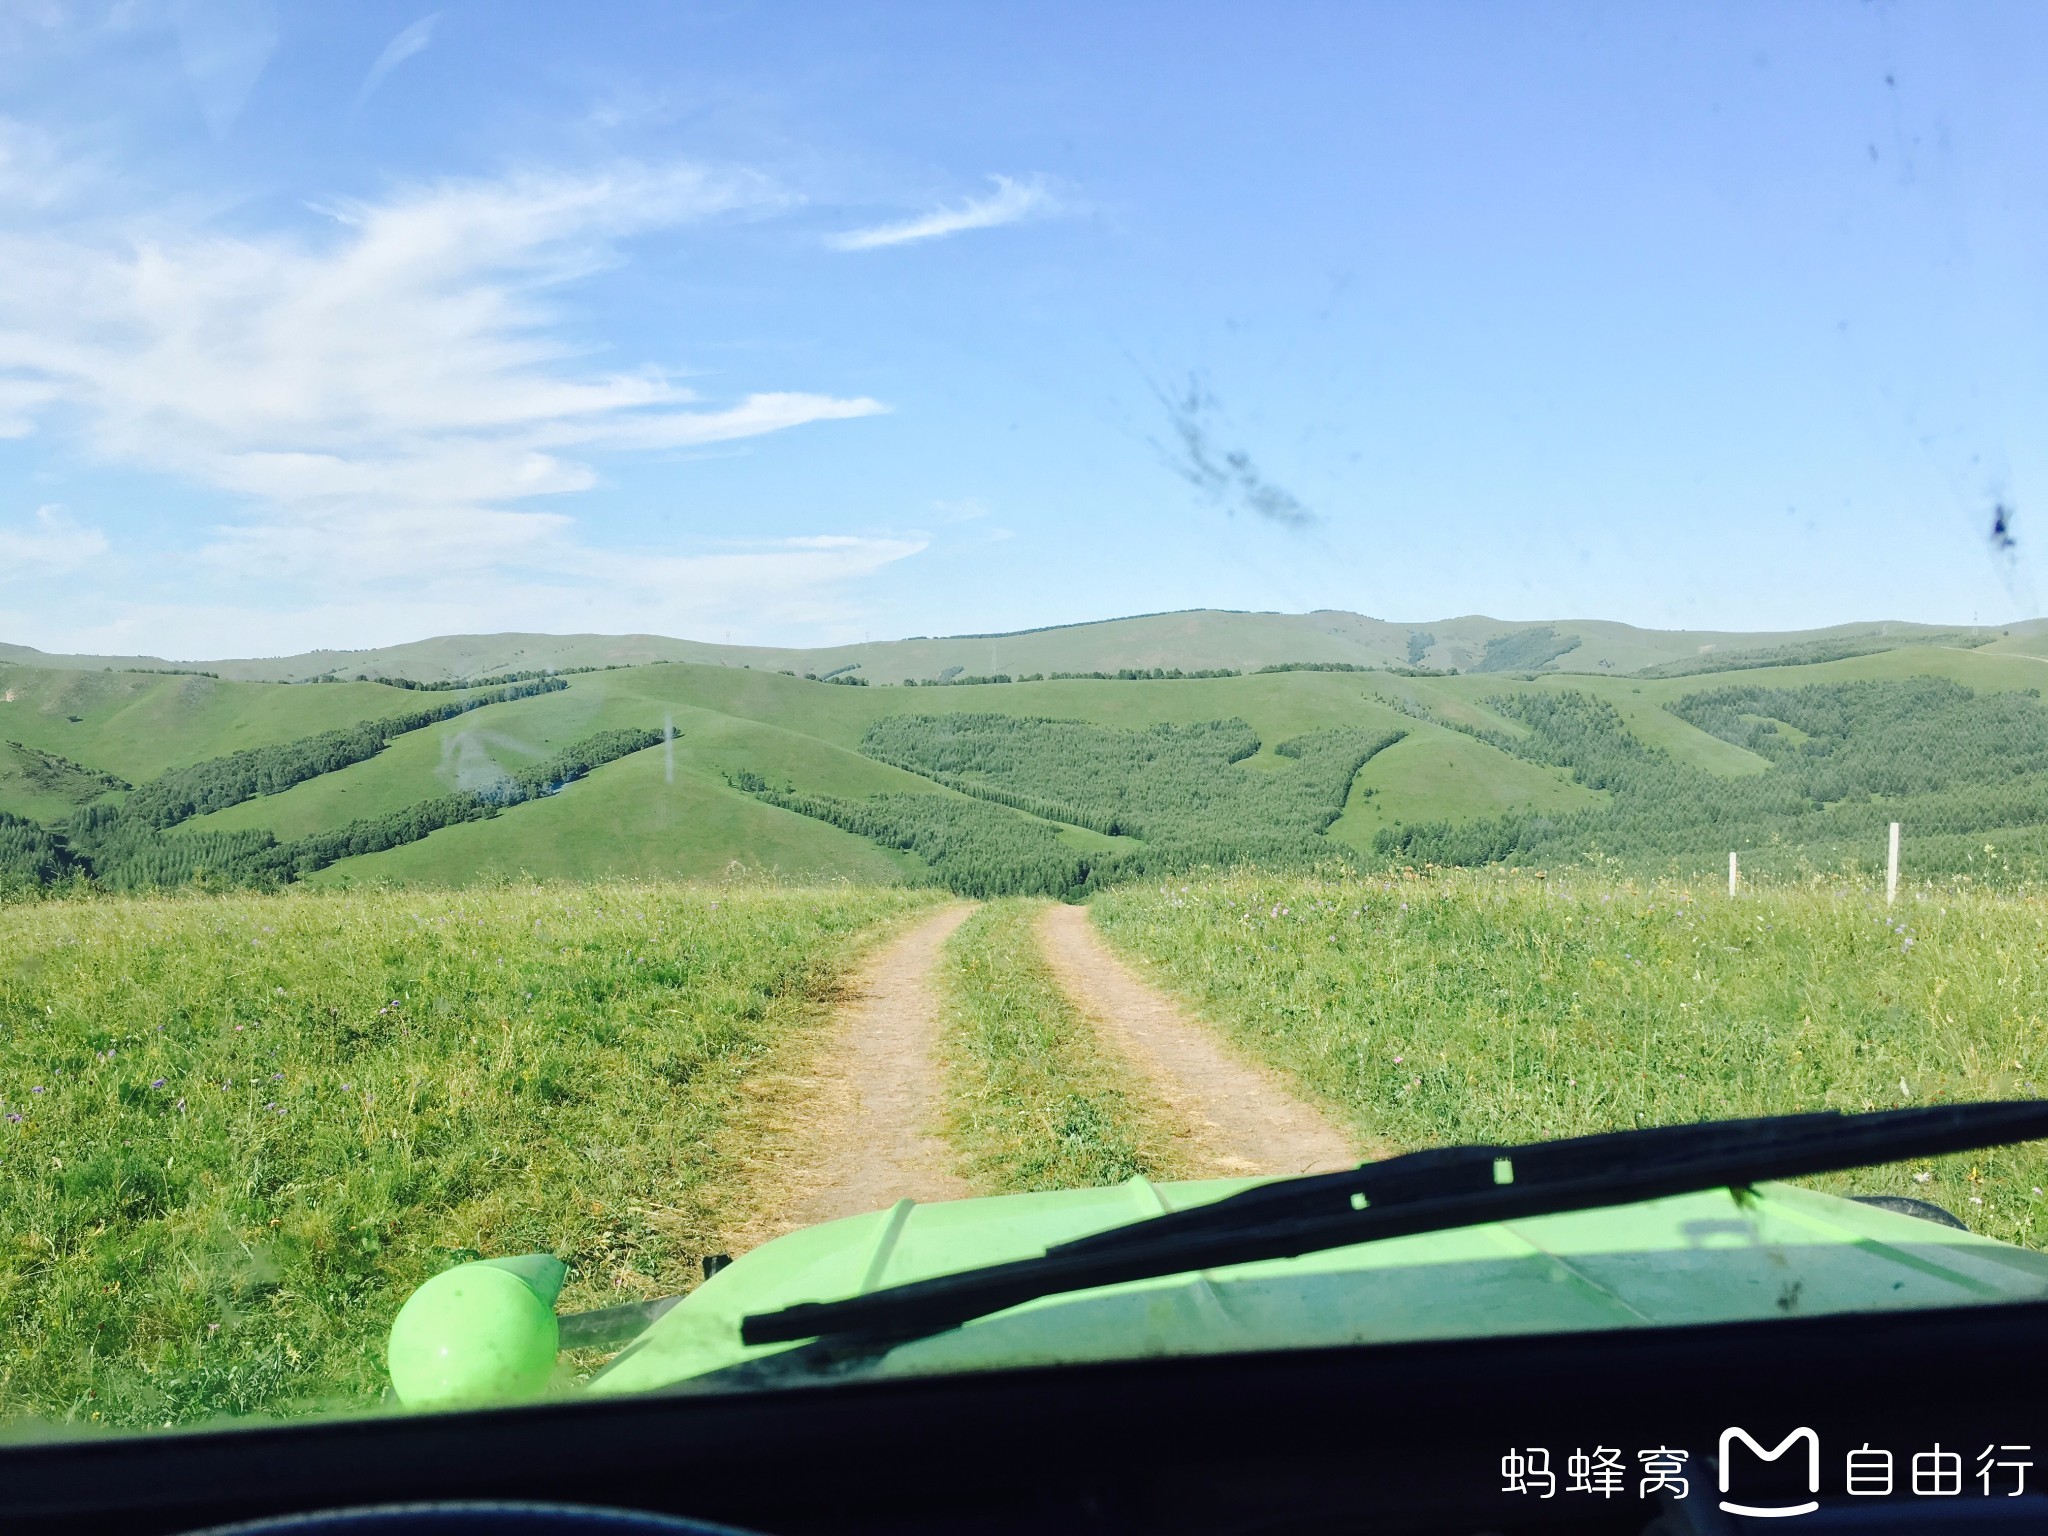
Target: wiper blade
(1427,1191)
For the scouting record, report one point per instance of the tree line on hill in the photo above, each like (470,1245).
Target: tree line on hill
(1966,772)
(258,858)
(458,684)
(955,677)
(136,843)
(214,785)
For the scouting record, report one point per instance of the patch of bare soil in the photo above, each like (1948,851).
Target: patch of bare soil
(1238,1117)
(858,1132)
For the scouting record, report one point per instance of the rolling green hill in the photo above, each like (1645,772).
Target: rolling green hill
(728,765)
(1194,640)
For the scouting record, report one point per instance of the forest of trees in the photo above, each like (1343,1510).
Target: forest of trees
(31,856)
(1177,790)
(1524,650)
(1966,772)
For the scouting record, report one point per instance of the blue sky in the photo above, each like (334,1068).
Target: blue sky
(344,325)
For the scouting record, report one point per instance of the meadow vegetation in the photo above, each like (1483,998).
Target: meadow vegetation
(235,1131)
(1036,1102)
(1496,1008)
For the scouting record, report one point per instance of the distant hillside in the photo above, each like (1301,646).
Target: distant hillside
(679,770)
(1197,639)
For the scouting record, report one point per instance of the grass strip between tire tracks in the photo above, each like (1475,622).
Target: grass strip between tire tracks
(1038,1103)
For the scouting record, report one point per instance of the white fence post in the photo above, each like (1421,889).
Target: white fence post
(1733,875)
(1891,869)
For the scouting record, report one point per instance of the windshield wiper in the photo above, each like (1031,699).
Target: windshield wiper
(1420,1192)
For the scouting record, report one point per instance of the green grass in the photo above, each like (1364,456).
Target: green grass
(1037,1103)
(1435,774)
(135,726)
(630,820)
(248,1126)
(1485,1008)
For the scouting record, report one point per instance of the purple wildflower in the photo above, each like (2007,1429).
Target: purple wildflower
(157,1083)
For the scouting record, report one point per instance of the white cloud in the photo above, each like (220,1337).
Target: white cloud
(414,39)
(53,543)
(773,592)
(383,398)
(1010,202)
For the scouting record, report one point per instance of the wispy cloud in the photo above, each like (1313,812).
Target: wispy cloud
(385,401)
(413,39)
(1011,202)
(225,46)
(52,543)
(760,593)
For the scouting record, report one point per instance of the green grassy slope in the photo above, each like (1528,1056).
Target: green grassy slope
(135,726)
(1435,774)
(785,729)
(642,817)
(630,821)
(779,727)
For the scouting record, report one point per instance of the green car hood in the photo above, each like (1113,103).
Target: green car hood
(1702,1258)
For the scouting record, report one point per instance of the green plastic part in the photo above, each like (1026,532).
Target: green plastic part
(1777,1251)
(478,1334)
(542,1273)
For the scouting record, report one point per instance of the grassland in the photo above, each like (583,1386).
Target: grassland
(238,1130)
(1036,1102)
(1491,1008)
(1435,774)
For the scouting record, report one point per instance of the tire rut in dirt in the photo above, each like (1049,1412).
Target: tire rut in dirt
(862,1132)
(1238,1116)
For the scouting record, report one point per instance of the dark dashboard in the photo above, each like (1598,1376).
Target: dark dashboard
(1588,1432)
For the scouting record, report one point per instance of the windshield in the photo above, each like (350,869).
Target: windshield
(660,663)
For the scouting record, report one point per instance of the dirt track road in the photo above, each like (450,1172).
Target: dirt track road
(860,1135)
(1239,1117)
